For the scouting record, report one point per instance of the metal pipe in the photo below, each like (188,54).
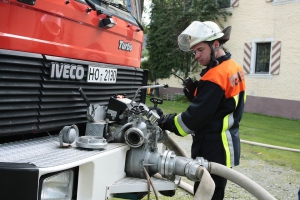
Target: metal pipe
(270,146)
(180,164)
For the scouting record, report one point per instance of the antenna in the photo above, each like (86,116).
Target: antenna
(179,77)
(145,87)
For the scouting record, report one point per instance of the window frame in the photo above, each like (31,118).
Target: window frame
(280,2)
(269,44)
(253,57)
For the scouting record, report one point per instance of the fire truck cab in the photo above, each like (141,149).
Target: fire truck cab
(63,64)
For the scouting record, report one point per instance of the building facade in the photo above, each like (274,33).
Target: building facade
(265,41)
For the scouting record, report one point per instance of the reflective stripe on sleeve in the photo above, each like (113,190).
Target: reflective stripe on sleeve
(182,129)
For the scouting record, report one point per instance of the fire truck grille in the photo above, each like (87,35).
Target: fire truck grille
(31,101)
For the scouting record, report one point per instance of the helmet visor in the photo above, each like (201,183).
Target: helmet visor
(197,32)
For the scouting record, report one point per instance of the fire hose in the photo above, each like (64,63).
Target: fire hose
(205,191)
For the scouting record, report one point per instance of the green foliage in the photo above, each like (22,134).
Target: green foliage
(146,65)
(145,53)
(170,106)
(271,130)
(182,99)
(272,156)
(145,26)
(168,19)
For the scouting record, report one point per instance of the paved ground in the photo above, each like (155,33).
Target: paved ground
(282,182)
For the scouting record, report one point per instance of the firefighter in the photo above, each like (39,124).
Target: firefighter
(217,100)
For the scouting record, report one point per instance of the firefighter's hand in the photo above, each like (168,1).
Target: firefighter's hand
(188,94)
(189,88)
(166,122)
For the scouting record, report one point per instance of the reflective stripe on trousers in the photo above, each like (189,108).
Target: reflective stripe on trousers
(226,136)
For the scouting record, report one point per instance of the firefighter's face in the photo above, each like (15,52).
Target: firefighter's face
(202,53)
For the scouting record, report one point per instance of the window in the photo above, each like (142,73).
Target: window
(224,3)
(262,61)
(262,57)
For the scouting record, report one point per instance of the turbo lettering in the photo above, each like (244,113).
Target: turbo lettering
(66,71)
(236,78)
(125,46)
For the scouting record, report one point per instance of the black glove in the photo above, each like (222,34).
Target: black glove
(189,96)
(166,122)
(189,88)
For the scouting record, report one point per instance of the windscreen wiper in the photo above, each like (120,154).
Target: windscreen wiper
(99,9)
(121,7)
(102,10)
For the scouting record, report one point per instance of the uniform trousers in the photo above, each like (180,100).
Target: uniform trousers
(212,150)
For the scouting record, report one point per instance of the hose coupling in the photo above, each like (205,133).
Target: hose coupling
(134,137)
(190,170)
(167,164)
(203,163)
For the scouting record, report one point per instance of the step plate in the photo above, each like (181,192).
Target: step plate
(131,185)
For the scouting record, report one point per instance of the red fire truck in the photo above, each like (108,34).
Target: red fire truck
(73,119)
(49,49)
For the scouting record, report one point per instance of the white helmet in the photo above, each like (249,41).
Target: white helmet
(198,32)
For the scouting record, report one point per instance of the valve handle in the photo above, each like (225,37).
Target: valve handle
(84,97)
(156,101)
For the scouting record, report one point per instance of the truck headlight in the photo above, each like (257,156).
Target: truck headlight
(58,186)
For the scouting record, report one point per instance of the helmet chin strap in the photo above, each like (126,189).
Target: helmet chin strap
(212,54)
(213,61)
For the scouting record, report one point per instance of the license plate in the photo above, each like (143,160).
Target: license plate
(101,75)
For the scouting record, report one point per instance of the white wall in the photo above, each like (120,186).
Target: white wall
(259,19)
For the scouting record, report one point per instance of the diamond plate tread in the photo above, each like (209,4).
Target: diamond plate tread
(45,152)
(94,129)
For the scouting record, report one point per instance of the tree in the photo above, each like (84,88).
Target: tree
(168,19)
(145,65)
(145,26)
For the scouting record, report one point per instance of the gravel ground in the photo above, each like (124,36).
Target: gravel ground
(282,182)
